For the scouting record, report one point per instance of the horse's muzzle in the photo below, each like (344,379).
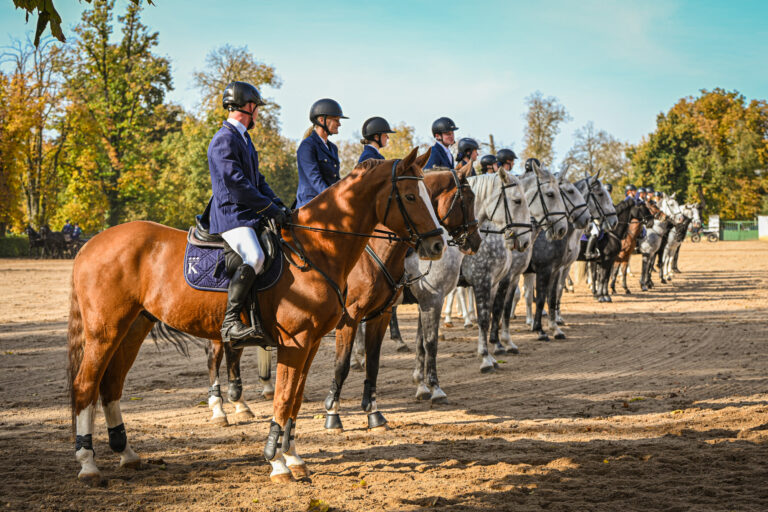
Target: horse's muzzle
(431,248)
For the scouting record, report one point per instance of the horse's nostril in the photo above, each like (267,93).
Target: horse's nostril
(561,232)
(437,247)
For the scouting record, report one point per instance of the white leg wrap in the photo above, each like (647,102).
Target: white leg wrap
(112,414)
(84,427)
(291,457)
(278,464)
(128,456)
(215,403)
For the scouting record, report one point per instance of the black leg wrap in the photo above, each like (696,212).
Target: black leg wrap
(369,396)
(332,421)
(273,440)
(288,434)
(214,391)
(117,438)
(376,419)
(86,442)
(235,390)
(333,395)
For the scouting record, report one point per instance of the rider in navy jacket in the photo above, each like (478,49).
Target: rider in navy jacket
(241,195)
(376,132)
(441,156)
(317,157)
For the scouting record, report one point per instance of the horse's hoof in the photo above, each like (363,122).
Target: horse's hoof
(560,321)
(423,393)
(299,471)
(402,347)
(91,479)
(559,336)
(380,429)
(244,416)
(627,292)
(608,298)
(281,478)
(356,366)
(543,337)
(468,325)
(487,369)
(499,350)
(220,421)
(131,464)
(438,396)
(512,349)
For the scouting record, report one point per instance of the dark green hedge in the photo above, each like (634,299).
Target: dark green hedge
(14,247)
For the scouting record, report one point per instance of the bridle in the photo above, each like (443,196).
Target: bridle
(591,197)
(460,234)
(547,223)
(510,223)
(574,207)
(415,237)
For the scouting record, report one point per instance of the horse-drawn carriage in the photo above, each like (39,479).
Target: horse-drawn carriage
(52,244)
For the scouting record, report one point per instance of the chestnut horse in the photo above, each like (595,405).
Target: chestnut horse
(644,218)
(129,276)
(375,286)
(371,294)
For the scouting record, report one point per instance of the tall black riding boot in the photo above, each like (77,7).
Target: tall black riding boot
(233,330)
(590,253)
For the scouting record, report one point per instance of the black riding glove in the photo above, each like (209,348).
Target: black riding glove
(283,217)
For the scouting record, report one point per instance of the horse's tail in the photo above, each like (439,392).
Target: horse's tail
(580,270)
(75,342)
(180,340)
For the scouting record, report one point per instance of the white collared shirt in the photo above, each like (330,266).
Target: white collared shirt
(239,127)
(447,151)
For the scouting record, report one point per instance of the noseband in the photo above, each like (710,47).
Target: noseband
(507,229)
(546,222)
(574,207)
(459,235)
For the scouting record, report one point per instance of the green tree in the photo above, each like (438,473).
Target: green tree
(543,120)
(712,149)
(595,150)
(115,92)
(402,142)
(13,125)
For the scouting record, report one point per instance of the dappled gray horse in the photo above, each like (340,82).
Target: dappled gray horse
(493,198)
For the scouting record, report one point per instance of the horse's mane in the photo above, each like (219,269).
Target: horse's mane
(436,169)
(483,184)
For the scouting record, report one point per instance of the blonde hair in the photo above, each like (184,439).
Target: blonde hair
(308,132)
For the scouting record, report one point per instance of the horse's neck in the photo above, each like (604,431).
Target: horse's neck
(347,206)
(392,254)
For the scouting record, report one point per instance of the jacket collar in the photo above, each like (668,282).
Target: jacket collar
(321,143)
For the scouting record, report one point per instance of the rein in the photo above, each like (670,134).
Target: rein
(601,212)
(507,216)
(415,237)
(460,234)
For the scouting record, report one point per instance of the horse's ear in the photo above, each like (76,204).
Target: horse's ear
(597,176)
(422,160)
(673,195)
(408,161)
(505,179)
(465,171)
(537,169)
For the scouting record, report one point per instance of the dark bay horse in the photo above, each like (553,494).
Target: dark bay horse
(128,277)
(643,218)
(375,286)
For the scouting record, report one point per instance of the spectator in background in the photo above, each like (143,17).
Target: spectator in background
(68,228)
(76,231)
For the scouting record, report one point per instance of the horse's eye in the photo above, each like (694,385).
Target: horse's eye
(550,194)
(410,197)
(570,192)
(517,201)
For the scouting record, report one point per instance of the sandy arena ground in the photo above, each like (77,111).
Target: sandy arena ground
(658,401)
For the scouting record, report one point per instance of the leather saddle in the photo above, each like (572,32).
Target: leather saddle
(199,236)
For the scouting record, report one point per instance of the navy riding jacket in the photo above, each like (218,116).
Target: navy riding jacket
(318,167)
(438,158)
(370,152)
(241,195)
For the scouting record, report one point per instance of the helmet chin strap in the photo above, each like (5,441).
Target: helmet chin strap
(250,114)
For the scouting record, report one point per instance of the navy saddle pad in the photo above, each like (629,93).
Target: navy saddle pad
(204,267)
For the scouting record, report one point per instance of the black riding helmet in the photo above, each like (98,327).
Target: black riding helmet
(443,125)
(609,187)
(466,146)
(649,188)
(374,127)
(237,94)
(630,187)
(325,108)
(506,155)
(641,190)
(530,162)
(486,163)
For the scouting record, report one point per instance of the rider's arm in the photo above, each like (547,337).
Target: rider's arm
(226,167)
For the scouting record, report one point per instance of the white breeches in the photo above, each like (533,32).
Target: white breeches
(245,243)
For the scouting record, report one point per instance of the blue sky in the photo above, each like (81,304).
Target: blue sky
(617,64)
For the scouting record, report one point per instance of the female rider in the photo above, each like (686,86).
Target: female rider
(376,132)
